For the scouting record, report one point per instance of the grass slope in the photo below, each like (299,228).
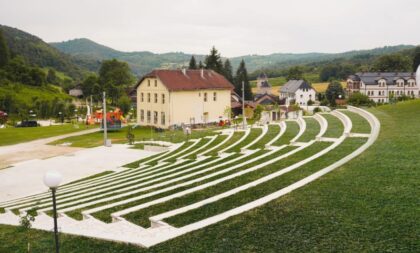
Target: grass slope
(367,205)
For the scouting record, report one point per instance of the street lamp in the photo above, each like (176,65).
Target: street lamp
(52,180)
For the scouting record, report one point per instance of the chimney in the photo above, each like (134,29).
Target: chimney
(202,73)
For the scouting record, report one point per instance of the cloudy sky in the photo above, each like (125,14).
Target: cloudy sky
(235,27)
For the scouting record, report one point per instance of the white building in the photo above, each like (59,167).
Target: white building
(379,86)
(298,90)
(173,97)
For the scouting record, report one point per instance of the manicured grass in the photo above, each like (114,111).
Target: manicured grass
(359,124)
(292,129)
(235,137)
(311,131)
(140,133)
(367,205)
(335,126)
(89,178)
(255,133)
(251,194)
(14,135)
(273,131)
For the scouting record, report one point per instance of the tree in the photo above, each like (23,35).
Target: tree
(124,103)
(4,51)
(90,85)
(130,136)
(392,63)
(200,65)
(228,71)
(52,77)
(335,71)
(26,224)
(416,58)
(333,92)
(193,63)
(242,76)
(114,76)
(214,61)
(358,99)
(295,73)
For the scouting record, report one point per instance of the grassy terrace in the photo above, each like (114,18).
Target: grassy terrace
(348,146)
(235,138)
(273,131)
(214,143)
(367,205)
(141,217)
(255,133)
(12,135)
(312,130)
(335,126)
(360,124)
(292,129)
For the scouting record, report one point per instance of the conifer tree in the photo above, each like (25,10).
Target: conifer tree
(214,61)
(242,76)
(4,51)
(227,71)
(193,63)
(200,65)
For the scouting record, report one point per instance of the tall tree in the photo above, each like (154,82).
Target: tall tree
(114,77)
(228,71)
(200,65)
(416,58)
(242,76)
(334,91)
(4,51)
(52,77)
(295,73)
(193,63)
(392,63)
(214,61)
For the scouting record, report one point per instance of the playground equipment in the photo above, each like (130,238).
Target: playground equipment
(113,119)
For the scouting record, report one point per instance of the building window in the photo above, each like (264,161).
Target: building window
(155,117)
(301,96)
(148,116)
(162,118)
(148,97)
(205,96)
(214,96)
(142,97)
(142,115)
(148,82)
(163,98)
(156,97)
(155,83)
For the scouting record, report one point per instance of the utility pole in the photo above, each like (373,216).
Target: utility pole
(104,119)
(243,106)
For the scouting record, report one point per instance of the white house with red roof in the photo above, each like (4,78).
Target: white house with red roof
(167,98)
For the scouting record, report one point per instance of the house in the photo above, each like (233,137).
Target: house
(380,86)
(263,95)
(298,90)
(76,91)
(166,98)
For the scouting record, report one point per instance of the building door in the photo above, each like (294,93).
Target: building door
(205,117)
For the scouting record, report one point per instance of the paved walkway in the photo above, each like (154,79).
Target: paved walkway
(26,178)
(37,149)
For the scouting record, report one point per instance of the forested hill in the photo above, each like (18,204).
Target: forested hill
(37,52)
(142,62)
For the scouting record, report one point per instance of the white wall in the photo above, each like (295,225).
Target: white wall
(302,97)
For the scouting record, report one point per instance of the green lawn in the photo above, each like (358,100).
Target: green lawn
(292,129)
(368,205)
(335,126)
(359,124)
(14,135)
(311,131)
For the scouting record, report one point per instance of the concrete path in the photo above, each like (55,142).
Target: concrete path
(37,149)
(26,178)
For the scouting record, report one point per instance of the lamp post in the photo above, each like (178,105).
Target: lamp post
(52,180)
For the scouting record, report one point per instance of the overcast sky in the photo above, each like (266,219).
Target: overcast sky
(235,27)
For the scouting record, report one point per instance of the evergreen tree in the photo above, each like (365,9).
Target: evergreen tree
(334,91)
(200,65)
(242,76)
(193,63)
(227,71)
(416,59)
(214,61)
(295,73)
(4,51)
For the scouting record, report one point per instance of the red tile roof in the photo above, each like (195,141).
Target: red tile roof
(176,80)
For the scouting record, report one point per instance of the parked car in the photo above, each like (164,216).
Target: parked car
(28,123)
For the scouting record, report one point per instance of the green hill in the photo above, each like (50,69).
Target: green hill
(37,52)
(142,62)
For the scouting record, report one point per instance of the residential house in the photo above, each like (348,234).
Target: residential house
(380,86)
(299,91)
(174,97)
